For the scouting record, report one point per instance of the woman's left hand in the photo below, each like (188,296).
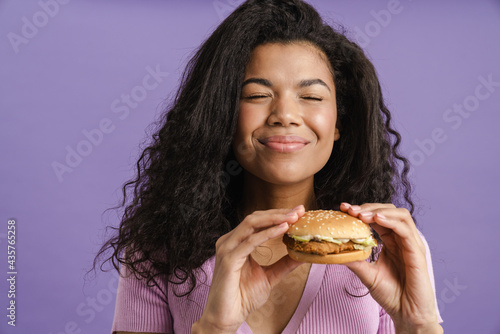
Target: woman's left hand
(399,280)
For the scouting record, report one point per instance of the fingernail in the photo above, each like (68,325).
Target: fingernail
(297,207)
(355,208)
(366,214)
(291,214)
(346,204)
(381,216)
(283,225)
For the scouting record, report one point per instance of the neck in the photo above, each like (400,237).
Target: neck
(261,195)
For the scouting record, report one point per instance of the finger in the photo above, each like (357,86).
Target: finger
(401,225)
(365,215)
(356,210)
(381,231)
(247,246)
(386,219)
(254,223)
(365,271)
(262,220)
(300,210)
(256,219)
(344,206)
(398,237)
(284,210)
(374,206)
(370,212)
(279,270)
(395,219)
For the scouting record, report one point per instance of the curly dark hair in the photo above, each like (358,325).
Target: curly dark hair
(188,184)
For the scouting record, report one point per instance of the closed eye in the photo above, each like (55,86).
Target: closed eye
(312,98)
(255,97)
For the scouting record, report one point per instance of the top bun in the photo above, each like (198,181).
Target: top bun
(329,223)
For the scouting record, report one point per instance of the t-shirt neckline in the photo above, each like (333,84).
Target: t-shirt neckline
(313,284)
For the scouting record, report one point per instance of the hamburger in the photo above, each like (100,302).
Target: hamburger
(329,237)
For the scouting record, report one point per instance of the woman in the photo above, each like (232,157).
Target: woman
(276,111)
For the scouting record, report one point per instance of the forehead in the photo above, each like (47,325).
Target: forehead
(296,59)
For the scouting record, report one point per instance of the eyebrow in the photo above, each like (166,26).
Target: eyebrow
(259,81)
(302,83)
(310,82)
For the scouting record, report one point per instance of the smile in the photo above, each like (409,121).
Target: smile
(284,144)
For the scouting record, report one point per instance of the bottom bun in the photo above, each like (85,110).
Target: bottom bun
(344,257)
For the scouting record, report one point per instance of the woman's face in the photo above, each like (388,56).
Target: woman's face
(287,118)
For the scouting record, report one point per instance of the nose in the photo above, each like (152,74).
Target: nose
(285,111)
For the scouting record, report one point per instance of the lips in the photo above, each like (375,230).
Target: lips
(284,144)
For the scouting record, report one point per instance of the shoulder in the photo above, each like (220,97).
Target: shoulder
(161,308)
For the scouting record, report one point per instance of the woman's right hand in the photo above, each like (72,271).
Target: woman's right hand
(240,285)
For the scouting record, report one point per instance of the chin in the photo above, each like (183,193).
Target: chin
(287,178)
(284,172)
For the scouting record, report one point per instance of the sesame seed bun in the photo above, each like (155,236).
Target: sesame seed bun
(315,238)
(329,223)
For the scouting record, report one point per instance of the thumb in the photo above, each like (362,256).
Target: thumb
(277,271)
(364,270)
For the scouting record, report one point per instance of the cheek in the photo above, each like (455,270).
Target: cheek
(323,124)
(242,143)
(246,126)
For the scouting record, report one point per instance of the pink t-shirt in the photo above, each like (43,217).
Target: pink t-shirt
(326,306)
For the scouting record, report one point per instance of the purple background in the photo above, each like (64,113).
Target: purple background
(68,77)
